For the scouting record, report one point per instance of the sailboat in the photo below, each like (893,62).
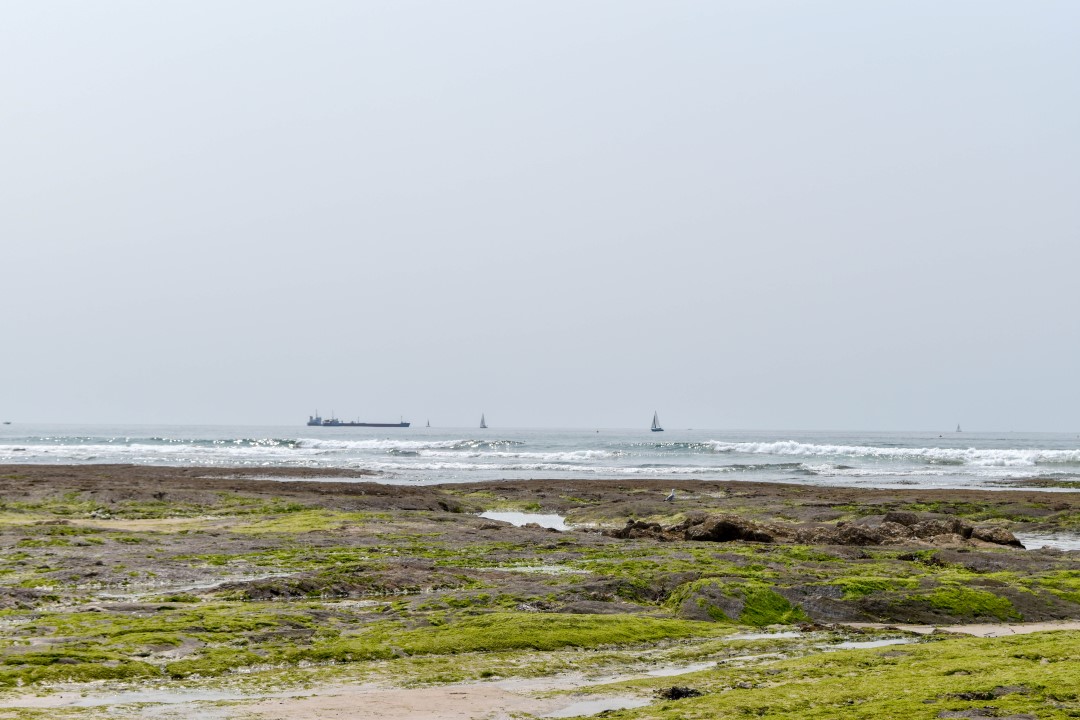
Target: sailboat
(428,423)
(656,423)
(958,427)
(483,425)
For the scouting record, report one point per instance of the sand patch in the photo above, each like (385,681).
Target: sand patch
(988,630)
(477,701)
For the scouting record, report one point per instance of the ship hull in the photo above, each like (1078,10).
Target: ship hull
(358,424)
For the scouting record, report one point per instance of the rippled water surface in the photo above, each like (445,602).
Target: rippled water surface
(430,455)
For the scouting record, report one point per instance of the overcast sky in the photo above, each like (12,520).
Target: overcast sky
(775,215)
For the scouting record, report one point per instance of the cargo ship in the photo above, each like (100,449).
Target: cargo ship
(317,421)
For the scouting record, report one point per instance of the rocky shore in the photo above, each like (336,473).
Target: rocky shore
(258,580)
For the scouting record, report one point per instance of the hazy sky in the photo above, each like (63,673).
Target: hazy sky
(819,215)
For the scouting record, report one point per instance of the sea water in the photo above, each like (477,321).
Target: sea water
(418,455)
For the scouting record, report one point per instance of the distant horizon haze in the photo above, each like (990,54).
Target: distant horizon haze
(768,214)
(669,429)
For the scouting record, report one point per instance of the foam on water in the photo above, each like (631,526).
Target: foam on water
(421,455)
(1003,457)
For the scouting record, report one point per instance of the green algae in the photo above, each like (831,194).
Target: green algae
(1065,584)
(81,505)
(460,627)
(863,586)
(758,604)
(63,667)
(42,542)
(213,663)
(967,602)
(502,631)
(302,520)
(1021,674)
(764,606)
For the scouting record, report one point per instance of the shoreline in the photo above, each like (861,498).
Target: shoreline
(270,478)
(211,590)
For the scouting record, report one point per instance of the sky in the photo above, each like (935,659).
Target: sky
(560,213)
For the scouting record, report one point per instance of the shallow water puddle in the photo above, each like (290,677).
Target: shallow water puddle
(555,522)
(673,670)
(1061,541)
(863,644)
(765,635)
(598,705)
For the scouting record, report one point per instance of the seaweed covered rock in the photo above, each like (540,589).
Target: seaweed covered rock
(724,528)
(901,517)
(996,535)
(933,527)
(639,529)
(894,528)
(678,692)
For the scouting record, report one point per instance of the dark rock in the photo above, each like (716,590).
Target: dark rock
(933,527)
(711,601)
(1002,690)
(851,534)
(999,691)
(946,539)
(639,529)
(901,517)
(996,535)
(725,528)
(933,560)
(820,535)
(824,603)
(973,695)
(599,607)
(537,526)
(894,532)
(678,692)
(19,597)
(894,528)
(988,711)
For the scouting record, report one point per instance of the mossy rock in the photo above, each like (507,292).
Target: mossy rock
(727,599)
(709,599)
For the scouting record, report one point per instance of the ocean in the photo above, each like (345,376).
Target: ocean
(419,455)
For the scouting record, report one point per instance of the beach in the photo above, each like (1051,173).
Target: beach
(522,360)
(303,592)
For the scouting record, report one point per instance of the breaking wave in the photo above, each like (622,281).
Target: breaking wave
(1000,457)
(866,460)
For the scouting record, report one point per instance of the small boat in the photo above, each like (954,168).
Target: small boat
(483,425)
(656,423)
(958,427)
(428,424)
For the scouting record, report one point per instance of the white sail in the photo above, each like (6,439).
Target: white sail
(482,423)
(656,422)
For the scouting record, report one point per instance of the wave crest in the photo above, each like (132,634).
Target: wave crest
(1005,457)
